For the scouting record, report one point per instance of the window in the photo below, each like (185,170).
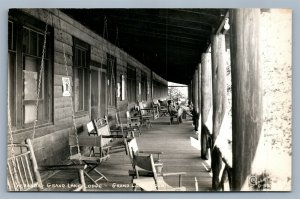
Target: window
(131,84)
(12,71)
(111,80)
(144,86)
(32,57)
(25,47)
(81,59)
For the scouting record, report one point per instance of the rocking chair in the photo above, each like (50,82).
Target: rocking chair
(24,173)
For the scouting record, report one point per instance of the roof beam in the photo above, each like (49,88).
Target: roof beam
(173,16)
(164,23)
(163,29)
(168,38)
(205,13)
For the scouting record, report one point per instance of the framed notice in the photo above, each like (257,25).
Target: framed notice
(140,88)
(122,87)
(66,86)
(118,89)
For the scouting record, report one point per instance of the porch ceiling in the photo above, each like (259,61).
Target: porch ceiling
(168,41)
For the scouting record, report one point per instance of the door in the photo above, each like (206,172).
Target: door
(98,92)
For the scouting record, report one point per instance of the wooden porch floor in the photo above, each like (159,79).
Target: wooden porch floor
(179,156)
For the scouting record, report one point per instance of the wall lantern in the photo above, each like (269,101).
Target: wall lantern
(226,25)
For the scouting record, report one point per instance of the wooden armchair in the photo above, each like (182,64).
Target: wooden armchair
(23,172)
(93,160)
(147,114)
(163,110)
(133,123)
(133,151)
(155,182)
(112,141)
(101,143)
(124,126)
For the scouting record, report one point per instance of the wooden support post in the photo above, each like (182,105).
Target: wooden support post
(218,82)
(193,89)
(199,94)
(189,91)
(246,91)
(196,91)
(219,99)
(206,103)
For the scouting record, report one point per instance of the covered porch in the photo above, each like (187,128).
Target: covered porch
(177,142)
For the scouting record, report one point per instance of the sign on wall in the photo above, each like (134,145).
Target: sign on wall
(122,87)
(140,88)
(118,89)
(66,86)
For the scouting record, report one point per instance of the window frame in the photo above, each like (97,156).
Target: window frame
(21,22)
(131,84)
(144,86)
(85,50)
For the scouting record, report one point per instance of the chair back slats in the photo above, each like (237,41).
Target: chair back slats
(34,164)
(103,130)
(28,176)
(21,175)
(19,171)
(12,178)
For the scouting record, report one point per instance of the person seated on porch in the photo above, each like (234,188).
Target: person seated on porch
(175,110)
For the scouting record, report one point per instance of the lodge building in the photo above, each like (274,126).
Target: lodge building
(49,46)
